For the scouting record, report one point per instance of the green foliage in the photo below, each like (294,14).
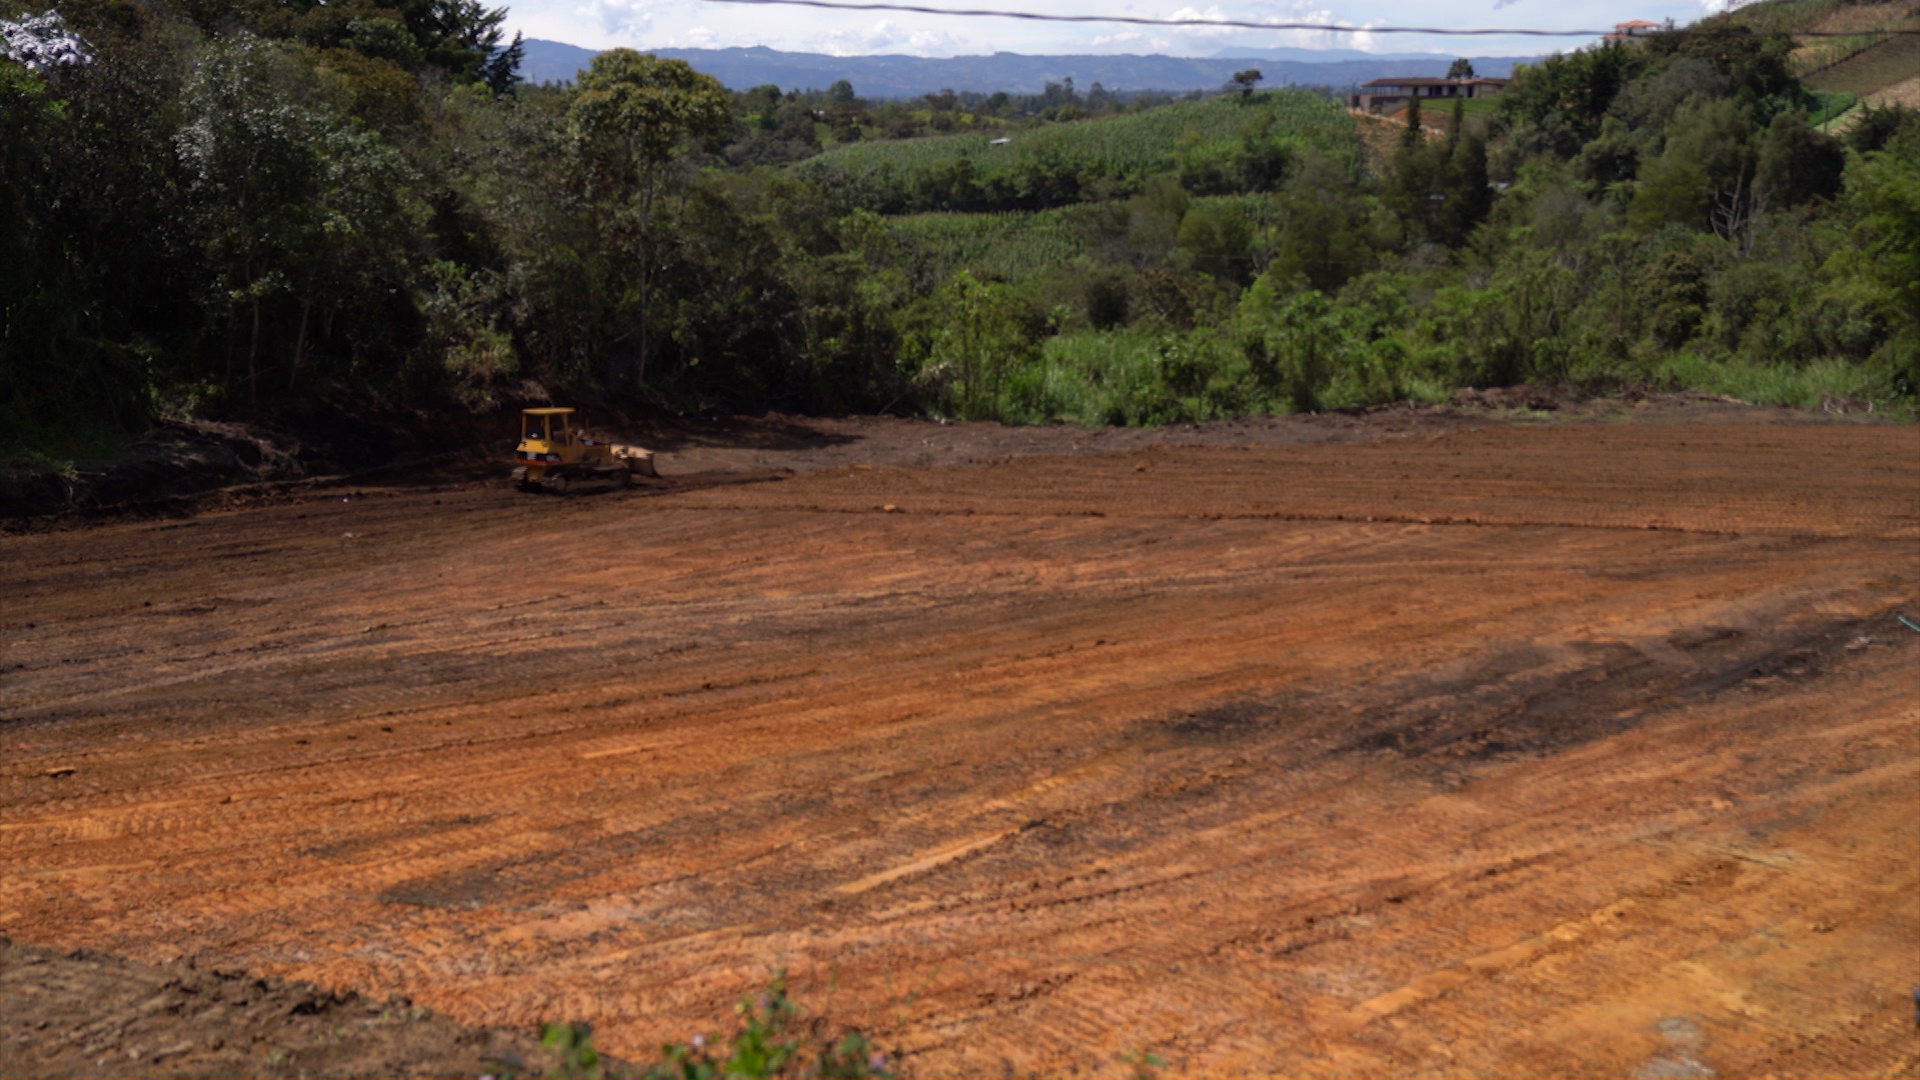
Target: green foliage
(1016,246)
(1883,202)
(253,207)
(1878,125)
(973,334)
(1796,164)
(1072,162)
(633,111)
(291,208)
(631,114)
(1217,239)
(1327,232)
(1707,161)
(770,1042)
(1439,189)
(1560,102)
(1829,108)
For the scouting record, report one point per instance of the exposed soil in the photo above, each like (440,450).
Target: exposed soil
(1432,746)
(87,1014)
(184,468)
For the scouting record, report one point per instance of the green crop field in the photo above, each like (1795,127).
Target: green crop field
(1014,246)
(1125,147)
(1018,246)
(1887,63)
(1780,17)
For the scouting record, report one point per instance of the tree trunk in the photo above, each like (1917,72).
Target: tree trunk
(299,344)
(253,353)
(646,269)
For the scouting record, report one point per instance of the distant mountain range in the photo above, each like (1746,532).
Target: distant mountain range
(1017,73)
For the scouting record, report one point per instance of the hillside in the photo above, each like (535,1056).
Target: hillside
(305,217)
(1019,246)
(1064,163)
(1015,73)
(1869,63)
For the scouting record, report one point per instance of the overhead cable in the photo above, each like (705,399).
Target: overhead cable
(1238,24)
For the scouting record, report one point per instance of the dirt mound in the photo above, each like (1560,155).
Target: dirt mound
(88,1014)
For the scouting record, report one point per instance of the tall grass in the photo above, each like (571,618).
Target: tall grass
(1805,386)
(1144,378)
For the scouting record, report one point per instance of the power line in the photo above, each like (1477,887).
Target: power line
(1135,20)
(1242,24)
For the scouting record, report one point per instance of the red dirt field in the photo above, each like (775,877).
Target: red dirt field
(1586,748)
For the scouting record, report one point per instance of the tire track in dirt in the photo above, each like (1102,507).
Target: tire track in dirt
(1074,758)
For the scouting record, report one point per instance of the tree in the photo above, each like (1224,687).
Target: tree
(460,36)
(1467,195)
(1797,164)
(1559,103)
(1324,238)
(1416,176)
(1216,239)
(630,116)
(293,207)
(1290,338)
(1243,81)
(977,342)
(1708,161)
(1878,124)
(253,175)
(1460,69)
(501,71)
(1883,200)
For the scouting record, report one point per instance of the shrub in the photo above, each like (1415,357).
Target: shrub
(773,1040)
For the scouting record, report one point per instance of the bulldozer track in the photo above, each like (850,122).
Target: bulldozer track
(1587,748)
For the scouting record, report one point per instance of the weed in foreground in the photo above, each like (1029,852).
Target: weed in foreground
(774,1040)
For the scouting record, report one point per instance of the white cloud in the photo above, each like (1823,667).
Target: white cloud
(934,43)
(623,16)
(1212,14)
(887,36)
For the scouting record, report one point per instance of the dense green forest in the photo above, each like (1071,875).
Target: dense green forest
(244,209)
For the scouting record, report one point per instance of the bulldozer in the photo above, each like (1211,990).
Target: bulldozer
(556,451)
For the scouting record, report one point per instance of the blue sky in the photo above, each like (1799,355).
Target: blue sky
(602,24)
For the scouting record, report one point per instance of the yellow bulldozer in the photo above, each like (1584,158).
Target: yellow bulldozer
(556,451)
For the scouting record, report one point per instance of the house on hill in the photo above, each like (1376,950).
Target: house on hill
(1391,94)
(1635,28)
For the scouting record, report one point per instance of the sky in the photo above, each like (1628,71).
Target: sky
(660,24)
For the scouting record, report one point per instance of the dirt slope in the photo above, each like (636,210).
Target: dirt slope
(85,1014)
(1524,750)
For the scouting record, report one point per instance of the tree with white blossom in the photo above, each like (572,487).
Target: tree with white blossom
(43,43)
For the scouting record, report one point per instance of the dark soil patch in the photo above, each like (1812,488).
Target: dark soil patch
(89,1014)
(1503,708)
